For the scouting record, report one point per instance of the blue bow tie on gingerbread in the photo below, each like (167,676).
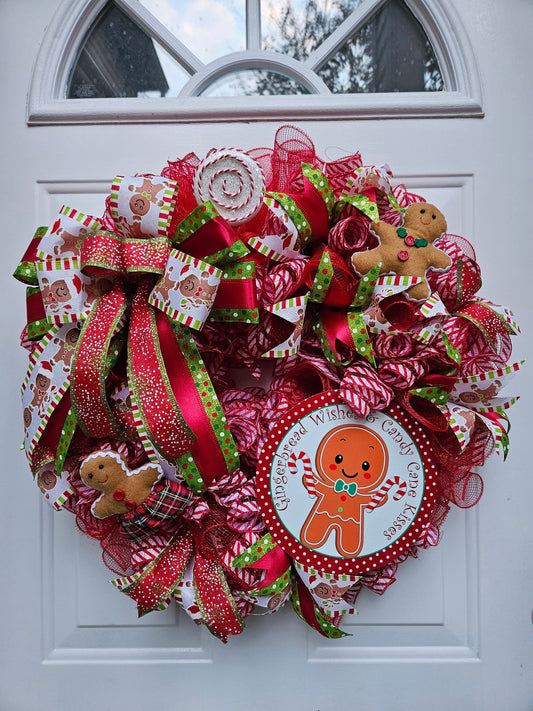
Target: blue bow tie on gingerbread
(350,489)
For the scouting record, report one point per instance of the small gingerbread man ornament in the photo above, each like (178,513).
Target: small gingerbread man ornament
(408,250)
(123,489)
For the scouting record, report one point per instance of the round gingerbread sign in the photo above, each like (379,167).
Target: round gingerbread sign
(344,494)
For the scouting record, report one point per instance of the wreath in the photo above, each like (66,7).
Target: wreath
(260,377)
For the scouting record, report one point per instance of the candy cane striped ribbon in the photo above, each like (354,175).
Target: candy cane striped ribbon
(308,477)
(378,496)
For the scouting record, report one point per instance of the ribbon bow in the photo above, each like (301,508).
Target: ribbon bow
(151,293)
(341,485)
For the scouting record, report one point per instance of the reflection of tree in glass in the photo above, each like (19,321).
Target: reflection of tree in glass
(390,52)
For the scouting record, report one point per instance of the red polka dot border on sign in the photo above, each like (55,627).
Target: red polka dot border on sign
(317,560)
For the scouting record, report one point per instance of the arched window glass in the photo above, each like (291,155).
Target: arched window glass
(257,47)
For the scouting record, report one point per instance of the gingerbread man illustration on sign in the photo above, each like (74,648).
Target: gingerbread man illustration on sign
(351,464)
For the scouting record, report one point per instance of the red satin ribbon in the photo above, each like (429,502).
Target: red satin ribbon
(205,450)
(336,327)
(275,563)
(52,433)
(314,208)
(236,294)
(34,307)
(215,235)
(307,606)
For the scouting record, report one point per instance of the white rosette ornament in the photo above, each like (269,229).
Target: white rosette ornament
(231,180)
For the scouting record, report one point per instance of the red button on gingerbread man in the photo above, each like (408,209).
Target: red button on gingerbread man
(351,463)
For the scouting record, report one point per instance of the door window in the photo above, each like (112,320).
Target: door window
(337,47)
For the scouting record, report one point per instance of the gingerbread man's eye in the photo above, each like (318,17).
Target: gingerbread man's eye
(339,458)
(100,466)
(365,466)
(422,212)
(89,476)
(433,217)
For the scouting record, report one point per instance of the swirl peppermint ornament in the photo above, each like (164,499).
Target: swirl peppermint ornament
(376,390)
(233,182)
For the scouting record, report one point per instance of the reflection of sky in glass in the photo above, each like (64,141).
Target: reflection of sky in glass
(209,28)
(175,75)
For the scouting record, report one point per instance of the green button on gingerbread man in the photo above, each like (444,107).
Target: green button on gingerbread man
(408,250)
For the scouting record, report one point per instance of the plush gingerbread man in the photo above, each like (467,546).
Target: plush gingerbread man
(408,250)
(351,463)
(123,488)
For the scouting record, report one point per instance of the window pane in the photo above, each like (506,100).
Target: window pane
(209,28)
(119,59)
(297,27)
(389,53)
(254,81)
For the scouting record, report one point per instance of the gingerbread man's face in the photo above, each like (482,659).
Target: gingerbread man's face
(47,480)
(42,382)
(139,205)
(355,454)
(72,336)
(424,218)
(100,472)
(469,397)
(60,290)
(189,285)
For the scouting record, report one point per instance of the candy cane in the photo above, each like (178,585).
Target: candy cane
(378,496)
(308,477)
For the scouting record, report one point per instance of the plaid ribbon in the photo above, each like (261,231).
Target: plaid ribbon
(164,503)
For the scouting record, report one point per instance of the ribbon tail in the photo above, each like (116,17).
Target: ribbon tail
(214,598)
(89,365)
(162,420)
(161,576)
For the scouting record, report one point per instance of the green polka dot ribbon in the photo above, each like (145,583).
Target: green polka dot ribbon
(211,404)
(323,625)
(363,203)
(26,271)
(366,287)
(289,205)
(277,586)
(323,277)
(67,433)
(435,395)
(452,352)
(238,250)
(360,339)
(256,551)
(194,221)
(295,206)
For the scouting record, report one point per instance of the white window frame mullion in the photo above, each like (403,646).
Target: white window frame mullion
(253,25)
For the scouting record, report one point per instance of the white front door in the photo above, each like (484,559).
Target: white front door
(454,631)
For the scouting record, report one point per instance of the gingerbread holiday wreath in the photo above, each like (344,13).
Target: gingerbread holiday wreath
(377,371)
